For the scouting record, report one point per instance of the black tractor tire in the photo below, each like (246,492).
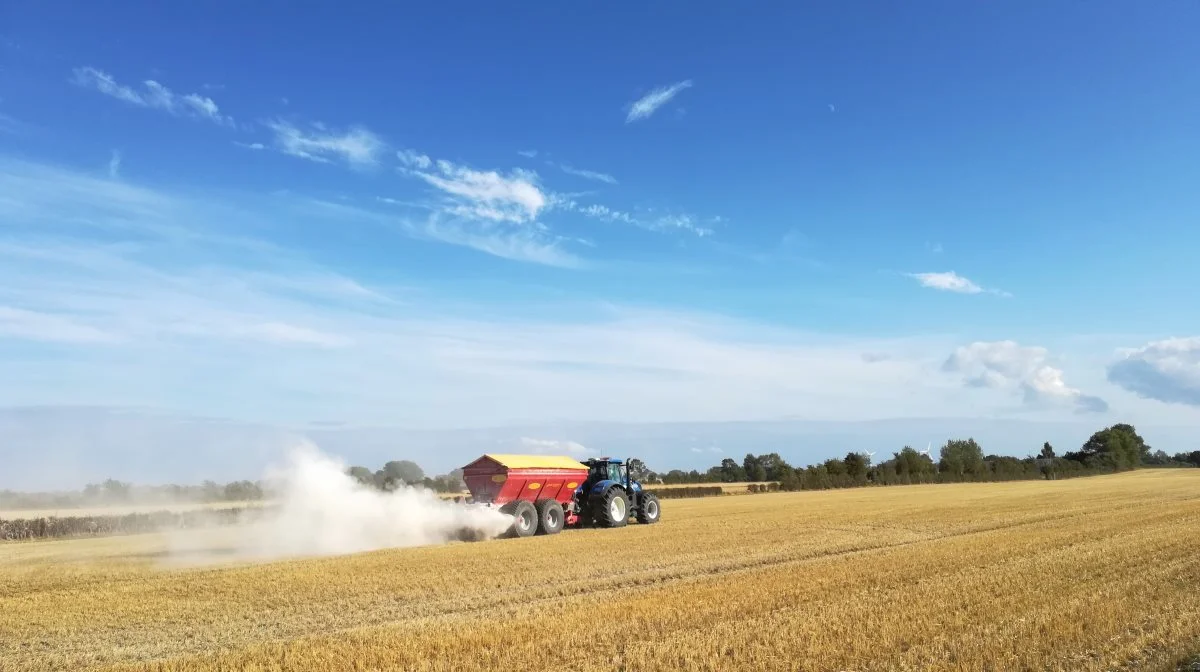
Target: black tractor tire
(648,510)
(550,517)
(610,509)
(525,518)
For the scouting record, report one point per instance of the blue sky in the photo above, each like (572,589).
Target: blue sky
(480,215)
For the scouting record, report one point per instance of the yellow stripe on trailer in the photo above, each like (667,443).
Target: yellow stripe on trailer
(536,461)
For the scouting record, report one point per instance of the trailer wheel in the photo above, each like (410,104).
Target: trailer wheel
(525,518)
(611,509)
(648,509)
(550,516)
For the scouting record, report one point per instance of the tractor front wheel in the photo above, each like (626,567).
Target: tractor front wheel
(525,518)
(611,509)
(550,516)
(648,509)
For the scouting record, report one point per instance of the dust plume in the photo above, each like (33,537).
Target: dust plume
(318,510)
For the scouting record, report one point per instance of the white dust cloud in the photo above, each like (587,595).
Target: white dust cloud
(316,509)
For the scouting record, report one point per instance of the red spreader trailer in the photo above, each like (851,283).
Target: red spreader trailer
(538,491)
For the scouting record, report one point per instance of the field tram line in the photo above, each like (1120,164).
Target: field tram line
(517,600)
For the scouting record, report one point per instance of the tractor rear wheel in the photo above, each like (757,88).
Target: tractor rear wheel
(525,518)
(611,509)
(550,516)
(648,510)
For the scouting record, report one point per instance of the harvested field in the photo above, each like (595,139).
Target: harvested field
(1087,574)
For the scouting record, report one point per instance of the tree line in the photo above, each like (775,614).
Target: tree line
(406,472)
(1112,449)
(1115,448)
(112,491)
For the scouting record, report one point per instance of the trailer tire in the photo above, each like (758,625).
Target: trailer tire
(550,517)
(648,509)
(611,509)
(525,518)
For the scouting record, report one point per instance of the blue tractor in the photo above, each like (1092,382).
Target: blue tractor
(609,496)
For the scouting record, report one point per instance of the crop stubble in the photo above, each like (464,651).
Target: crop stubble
(1087,574)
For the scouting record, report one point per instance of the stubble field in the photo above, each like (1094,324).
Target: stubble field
(1090,574)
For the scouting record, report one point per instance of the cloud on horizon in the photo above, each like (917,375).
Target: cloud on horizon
(1007,365)
(1166,370)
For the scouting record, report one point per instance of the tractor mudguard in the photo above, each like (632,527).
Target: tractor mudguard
(602,487)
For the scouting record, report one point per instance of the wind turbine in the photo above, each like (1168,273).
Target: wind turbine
(927,449)
(870,455)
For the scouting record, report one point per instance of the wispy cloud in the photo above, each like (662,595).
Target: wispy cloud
(650,222)
(414,159)
(949,281)
(514,197)
(114,165)
(528,153)
(152,95)
(357,146)
(529,245)
(587,174)
(649,103)
(250,145)
(147,307)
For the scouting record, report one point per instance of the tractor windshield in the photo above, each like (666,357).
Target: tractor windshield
(614,472)
(605,471)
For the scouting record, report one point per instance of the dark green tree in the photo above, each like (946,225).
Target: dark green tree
(856,466)
(1119,447)
(731,471)
(1047,451)
(961,458)
(753,466)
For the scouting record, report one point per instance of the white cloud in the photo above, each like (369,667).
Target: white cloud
(648,104)
(588,174)
(515,197)
(114,165)
(357,146)
(1166,370)
(950,281)
(154,95)
(414,160)
(256,146)
(156,303)
(554,447)
(528,153)
(1006,364)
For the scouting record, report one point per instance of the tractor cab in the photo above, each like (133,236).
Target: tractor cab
(605,469)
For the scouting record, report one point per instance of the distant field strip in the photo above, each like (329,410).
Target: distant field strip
(23,525)
(1089,574)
